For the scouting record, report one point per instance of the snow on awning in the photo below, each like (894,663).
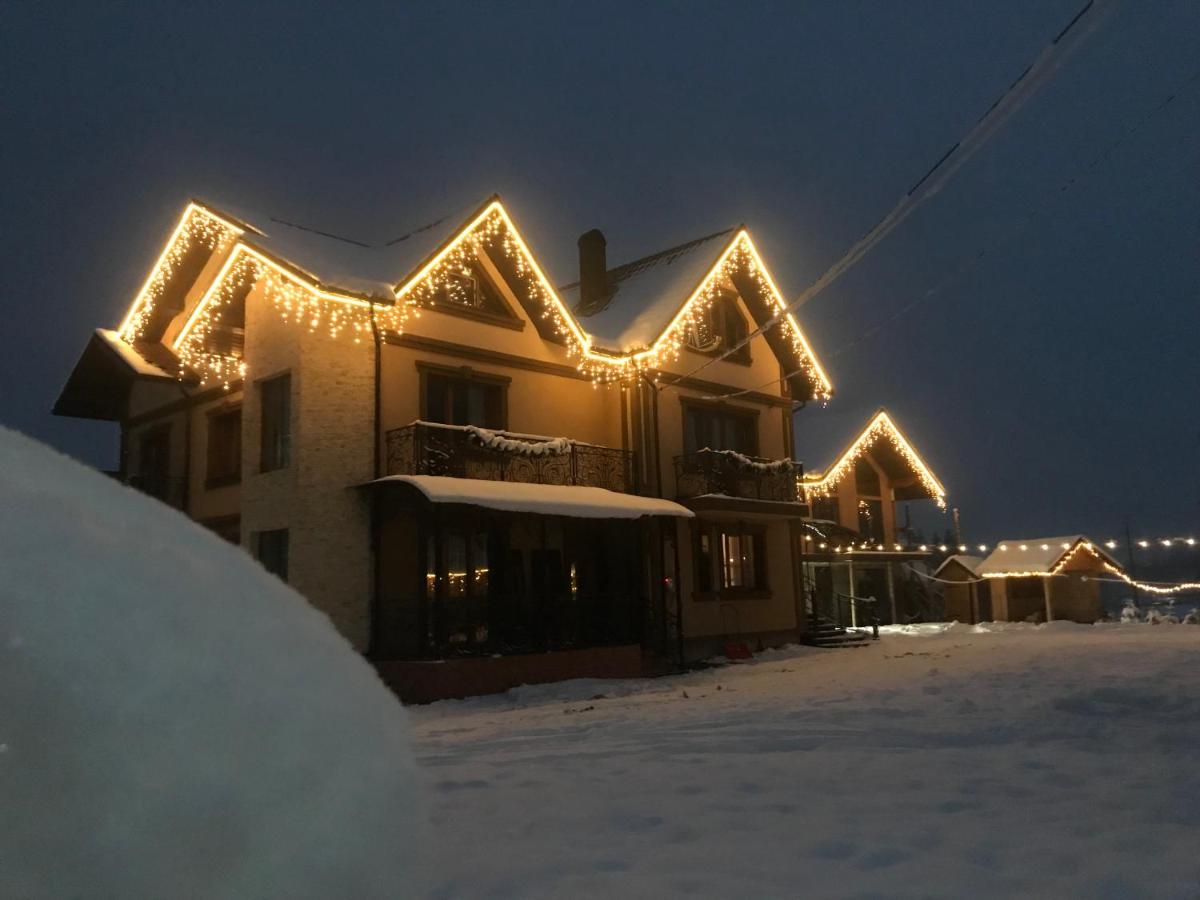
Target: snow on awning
(542,499)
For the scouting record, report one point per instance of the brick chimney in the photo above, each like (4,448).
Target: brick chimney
(593,269)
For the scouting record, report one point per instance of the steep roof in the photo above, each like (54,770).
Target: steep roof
(369,265)
(1037,556)
(647,314)
(829,441)
(647,293)
(970,563)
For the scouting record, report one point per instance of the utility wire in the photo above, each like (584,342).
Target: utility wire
(973,260)
(1035,76)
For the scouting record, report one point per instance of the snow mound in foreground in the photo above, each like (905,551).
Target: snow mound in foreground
(174,721)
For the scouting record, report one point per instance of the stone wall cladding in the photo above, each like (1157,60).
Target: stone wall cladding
(315,497)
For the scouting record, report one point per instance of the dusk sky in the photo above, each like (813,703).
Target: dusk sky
(1052,385)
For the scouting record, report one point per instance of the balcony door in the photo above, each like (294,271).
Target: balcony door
(719,428)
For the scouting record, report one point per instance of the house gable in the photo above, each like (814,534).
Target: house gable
(487,245)
(888,449)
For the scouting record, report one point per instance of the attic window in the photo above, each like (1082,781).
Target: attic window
(470,288)
(721,328)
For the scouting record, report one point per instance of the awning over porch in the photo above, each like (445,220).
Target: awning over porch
(540,499)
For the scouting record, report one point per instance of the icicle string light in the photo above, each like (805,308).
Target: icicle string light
(313,305)
(294,299)
(197,226)
(880,428)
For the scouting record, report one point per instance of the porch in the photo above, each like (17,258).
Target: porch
(859,587)
(495,582)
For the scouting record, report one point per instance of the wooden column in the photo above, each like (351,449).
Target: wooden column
(853,593)
(891,587)
(1046,596)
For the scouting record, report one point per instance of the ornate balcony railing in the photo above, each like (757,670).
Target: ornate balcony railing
(736,475)
(426,448)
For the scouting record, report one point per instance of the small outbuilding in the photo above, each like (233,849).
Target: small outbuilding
(966,596)
(1035,579)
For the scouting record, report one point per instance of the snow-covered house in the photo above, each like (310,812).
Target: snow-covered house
(457,460)
(1035,579)
(860,464)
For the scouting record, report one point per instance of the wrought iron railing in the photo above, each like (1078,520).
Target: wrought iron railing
(425,448)
(736,475)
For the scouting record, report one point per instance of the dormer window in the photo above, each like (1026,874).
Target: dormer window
(719,329)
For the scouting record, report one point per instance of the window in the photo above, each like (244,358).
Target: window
(721,328)
(463,400)
(461,612)
(227,527)
(740,568)
(704,561)
(719,428)
(224,447)
(153,474)
(825,507)
(471,289)
(870,519)
(271,549)
(276,432)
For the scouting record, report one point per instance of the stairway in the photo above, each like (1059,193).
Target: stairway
(828,634)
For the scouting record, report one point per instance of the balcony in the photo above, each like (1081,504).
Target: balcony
(426,448)
(733,474)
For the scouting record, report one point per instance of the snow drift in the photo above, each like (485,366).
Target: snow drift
(174,721)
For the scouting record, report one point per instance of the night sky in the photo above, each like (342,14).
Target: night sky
(1053,385)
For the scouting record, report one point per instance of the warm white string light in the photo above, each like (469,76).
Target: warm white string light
(198,226)
(301,300)
(881,427)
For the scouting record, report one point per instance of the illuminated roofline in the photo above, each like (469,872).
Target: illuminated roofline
(193,207)
(622,360)
(823,483)
(240,249)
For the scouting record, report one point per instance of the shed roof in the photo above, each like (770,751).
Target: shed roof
(970,563)
(1038,556)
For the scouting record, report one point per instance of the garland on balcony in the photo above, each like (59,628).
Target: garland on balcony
(773,467)
(494,440)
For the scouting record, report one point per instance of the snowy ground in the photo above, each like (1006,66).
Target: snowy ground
(1050,761)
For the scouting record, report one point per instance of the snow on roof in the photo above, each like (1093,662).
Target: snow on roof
(542,499)
(130,356)
(823,433)
(648,292)
(826,438)
(372,265)
(970,563)
(1035,556)
(178,721)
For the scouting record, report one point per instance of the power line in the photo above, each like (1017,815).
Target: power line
(971,261)
(1026,85)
